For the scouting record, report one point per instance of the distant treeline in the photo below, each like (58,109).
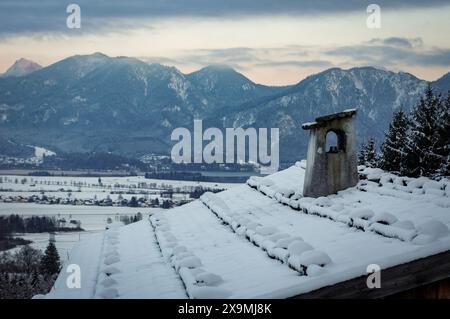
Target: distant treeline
(185,176)
(39,173)
(99,161)
(213,167)
(16,224)
(130,219)
(33,224)
(199,191)
(196,177)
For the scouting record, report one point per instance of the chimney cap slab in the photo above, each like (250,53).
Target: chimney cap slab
(321,120)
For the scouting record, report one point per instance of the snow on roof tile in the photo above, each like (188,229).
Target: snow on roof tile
(235,244)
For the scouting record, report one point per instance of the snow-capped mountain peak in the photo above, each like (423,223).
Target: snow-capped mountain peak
(22,67)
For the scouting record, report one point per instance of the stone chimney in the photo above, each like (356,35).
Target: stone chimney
(331,162)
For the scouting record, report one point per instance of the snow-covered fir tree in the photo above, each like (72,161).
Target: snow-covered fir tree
(362,154)
(368,155)
(422,151)
(443,145)
(50,263)
(393,147)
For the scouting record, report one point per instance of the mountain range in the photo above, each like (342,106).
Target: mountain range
(123,105)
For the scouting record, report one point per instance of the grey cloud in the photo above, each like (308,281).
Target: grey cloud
(439,57)
(392,51)
(50,15)
(237,52)
(233,57)
(398,42)
(160,60)
(312,63)
(242,58)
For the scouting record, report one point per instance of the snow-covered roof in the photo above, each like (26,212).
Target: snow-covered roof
(264,240)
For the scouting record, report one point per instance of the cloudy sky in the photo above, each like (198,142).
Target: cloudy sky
(271,41)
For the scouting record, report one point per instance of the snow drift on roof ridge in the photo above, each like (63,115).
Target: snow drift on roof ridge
(365,219)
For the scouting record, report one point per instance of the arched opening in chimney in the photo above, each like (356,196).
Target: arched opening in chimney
(335,141)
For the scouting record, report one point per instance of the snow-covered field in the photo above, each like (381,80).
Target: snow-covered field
(54,183)
(265,239)
(93,219)
(21,188)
